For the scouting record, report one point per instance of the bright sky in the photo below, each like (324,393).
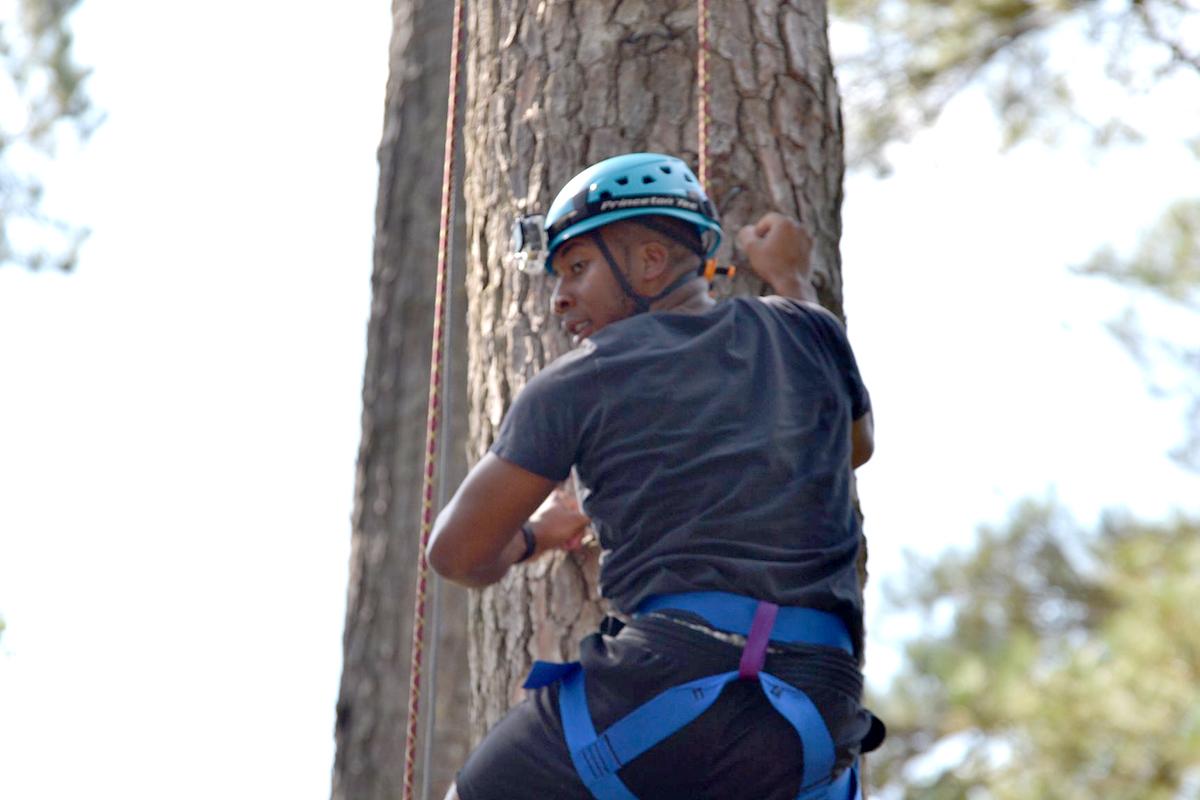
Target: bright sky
(180,419)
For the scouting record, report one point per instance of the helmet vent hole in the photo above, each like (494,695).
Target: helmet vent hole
(606,195)
(687,177)
(647,179)
(622,181)
(666,170)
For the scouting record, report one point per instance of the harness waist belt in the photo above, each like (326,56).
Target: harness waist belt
(735,614)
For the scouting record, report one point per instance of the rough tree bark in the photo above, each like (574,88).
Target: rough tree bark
(372,711)
(555,85)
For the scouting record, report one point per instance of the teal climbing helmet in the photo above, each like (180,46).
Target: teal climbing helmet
(623,187)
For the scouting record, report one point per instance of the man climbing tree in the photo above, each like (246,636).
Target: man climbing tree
(717,442)
(555,86)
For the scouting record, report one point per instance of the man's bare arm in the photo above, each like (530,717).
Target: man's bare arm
(862,440)
(477,537)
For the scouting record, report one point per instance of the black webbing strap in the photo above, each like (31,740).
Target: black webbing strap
(641,302)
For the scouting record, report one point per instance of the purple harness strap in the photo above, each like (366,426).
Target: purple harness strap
(754,654)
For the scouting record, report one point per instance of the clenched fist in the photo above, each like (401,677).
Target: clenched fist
(778,248)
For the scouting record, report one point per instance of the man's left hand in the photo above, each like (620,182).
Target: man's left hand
(558,524)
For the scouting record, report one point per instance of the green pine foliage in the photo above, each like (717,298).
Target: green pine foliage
(42,92)
(913,56)
(1167,260)
(1063,664)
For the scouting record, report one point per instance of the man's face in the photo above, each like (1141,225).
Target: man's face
(587,297)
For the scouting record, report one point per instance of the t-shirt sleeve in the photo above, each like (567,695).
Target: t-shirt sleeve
(829,331)
(839,346)
(543,427)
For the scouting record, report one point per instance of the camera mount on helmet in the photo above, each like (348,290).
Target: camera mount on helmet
(529,245)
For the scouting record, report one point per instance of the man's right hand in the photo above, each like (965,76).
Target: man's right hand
(778,248)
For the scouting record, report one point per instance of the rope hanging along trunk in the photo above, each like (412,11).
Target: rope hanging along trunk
(433,417)
(704,91)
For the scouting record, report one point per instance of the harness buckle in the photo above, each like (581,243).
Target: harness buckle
(599,757)
(611,626)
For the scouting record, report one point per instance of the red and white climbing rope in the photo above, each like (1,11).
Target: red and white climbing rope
(704,122)
(434,416)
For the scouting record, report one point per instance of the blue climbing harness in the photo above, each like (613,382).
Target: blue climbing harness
(597,757)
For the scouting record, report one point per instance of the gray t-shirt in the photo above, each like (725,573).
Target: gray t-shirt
(716,451)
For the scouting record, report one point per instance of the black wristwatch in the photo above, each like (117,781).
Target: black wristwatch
(530,543)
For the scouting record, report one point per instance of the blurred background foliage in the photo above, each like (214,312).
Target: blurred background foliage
(913,56)
(1052,662)
(1165,267)
(42,98)
(1056,663)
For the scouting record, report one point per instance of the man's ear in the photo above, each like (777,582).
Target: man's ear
(656,260)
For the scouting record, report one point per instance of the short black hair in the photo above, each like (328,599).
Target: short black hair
(680,231)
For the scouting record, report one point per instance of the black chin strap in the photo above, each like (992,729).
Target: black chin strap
(641,302)
(694,246)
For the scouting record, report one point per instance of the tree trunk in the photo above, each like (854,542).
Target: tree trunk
(555,86)
(372,711)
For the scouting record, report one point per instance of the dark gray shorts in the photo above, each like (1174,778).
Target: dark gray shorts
(741,747)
